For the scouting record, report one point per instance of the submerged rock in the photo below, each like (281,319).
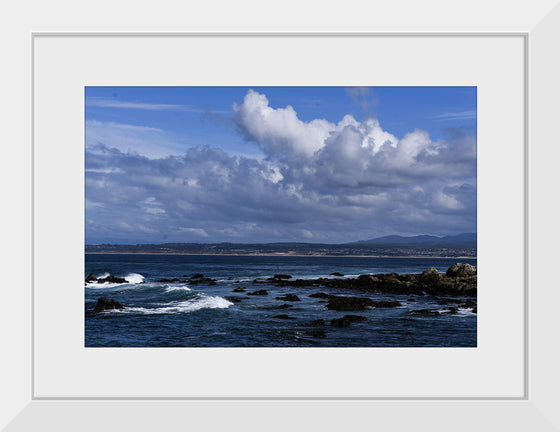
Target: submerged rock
(104,304)
(424,312)
(346,320)
(233,299)
(336,274)
(321,295)
(282,276)
(288,297)
(283,316)
(387,304)
(240,289)
(258,292)
(112,279)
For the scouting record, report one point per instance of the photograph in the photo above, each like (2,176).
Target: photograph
(275,217)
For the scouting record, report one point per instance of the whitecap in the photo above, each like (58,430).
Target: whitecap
(202,302)
(177,288)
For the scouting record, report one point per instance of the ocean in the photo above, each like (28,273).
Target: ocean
(183,314)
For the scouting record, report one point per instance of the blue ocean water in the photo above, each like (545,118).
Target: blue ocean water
(179,314)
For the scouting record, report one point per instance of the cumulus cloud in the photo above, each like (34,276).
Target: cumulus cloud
(319,181)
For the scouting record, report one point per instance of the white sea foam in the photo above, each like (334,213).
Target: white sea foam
(134,278)
(203,302)
(177,288)
(131,278)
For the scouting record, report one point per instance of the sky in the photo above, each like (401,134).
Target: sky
(278,164)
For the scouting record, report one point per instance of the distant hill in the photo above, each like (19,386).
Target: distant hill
(465,240)
(422,245)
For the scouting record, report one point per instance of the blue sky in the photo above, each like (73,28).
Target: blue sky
(267,164)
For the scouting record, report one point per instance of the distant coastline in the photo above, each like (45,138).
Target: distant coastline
(279,254)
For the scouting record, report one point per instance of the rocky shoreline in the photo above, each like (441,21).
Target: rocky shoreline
(460,280)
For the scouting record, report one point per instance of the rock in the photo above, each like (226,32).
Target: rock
(320,334)
(451,311)
(91,278)
(410,300)
(282,276)
(430,275)
(346,320)
(282,316)
(461,270)
(321,295)
(349,303)
(103,305)
(289,297)
(112,279)
(259,293)
(197,276)
(164,280)
(233,299)
(240,289)
(424,312)
(196,281)
(473,310)
(386,304)
(318,323)
(336,274)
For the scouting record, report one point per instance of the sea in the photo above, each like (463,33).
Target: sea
(183,314)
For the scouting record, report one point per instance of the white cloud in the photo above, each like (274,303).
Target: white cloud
(319,180)
(464,115)
(115,103)
(147,141)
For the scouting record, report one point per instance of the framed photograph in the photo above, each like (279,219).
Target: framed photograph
(112,117)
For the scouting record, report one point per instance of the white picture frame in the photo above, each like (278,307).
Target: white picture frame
(534,410)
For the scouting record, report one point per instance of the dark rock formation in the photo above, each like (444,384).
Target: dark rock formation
(240,289)
(430,282)
(386,304)
(346,320)
(288,297)
(461,270)
(197,276)
(424,312)
(91,278)
(283,316)
(203,280)
(321,295)
(103,305)
(318,323)
(282,276)
(430,276)
(164,280)
(259,292)
(233,299)
(336,274)
(112,279)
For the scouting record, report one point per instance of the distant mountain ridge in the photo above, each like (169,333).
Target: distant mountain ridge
(420,240)
(394,245)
